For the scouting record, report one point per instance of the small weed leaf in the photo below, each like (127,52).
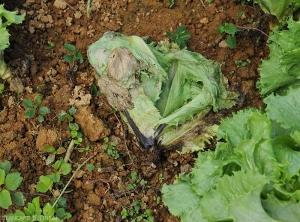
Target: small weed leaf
(60,150)
(48,210)
(55,177)
(44,110)
(36,206)
(5,199)
(2,176)
(180,36)
(57,164)
(90,167)
(5,166)
(28,103)
(44,185)
(231,42)
(73,134)
(95,90)
(48,149)
(73,126)
(133,176)
(62,115)
(79,56)
(1,88)
(228,28)
(69,47)
(66,168)
(41,118)
(183,34)
(30,113)
(38,100)
(13,181)
(69,58)
(18,198)
(72,111)
(62,202)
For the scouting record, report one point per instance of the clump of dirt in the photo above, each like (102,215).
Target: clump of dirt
(101,194)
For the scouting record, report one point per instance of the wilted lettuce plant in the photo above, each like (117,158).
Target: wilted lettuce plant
(163,92)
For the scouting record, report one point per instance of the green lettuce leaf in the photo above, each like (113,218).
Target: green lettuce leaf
(181,189)
(282,210)
(237,198)
(280,107)
(281,69)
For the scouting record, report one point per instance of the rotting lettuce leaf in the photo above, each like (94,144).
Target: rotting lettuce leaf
(164,91)
(253,173)
(281,70)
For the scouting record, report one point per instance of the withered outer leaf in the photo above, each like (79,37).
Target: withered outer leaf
(117,96)
(121,67)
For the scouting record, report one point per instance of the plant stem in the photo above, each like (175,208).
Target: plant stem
(69,151)
(255,29)
(88,8)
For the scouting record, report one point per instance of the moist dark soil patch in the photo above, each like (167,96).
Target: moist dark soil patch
(101,194)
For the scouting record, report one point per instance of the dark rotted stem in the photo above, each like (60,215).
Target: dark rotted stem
(146,142)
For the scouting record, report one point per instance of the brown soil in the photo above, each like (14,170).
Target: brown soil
(100,195)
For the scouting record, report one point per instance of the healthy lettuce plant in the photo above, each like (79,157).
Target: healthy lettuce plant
(254,173)
(163,92)
(6,18)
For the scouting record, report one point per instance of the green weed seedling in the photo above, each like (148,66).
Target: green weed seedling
(47,213)
(90,167)
(180,36)
(242,63)
(231,30)
(1,88)
(135,181)
(51,45)
(69,116)
(46,182)
(171,3)
(73,55)
(240,14)
(32,107)
(73,127)
(109,147)
(75,133)
(52,152)
(9,183)
(94,90)
(135,214)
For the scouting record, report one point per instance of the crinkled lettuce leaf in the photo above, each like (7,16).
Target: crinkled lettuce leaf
(285,109)
(236,198)
(282,210)
(281,70)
